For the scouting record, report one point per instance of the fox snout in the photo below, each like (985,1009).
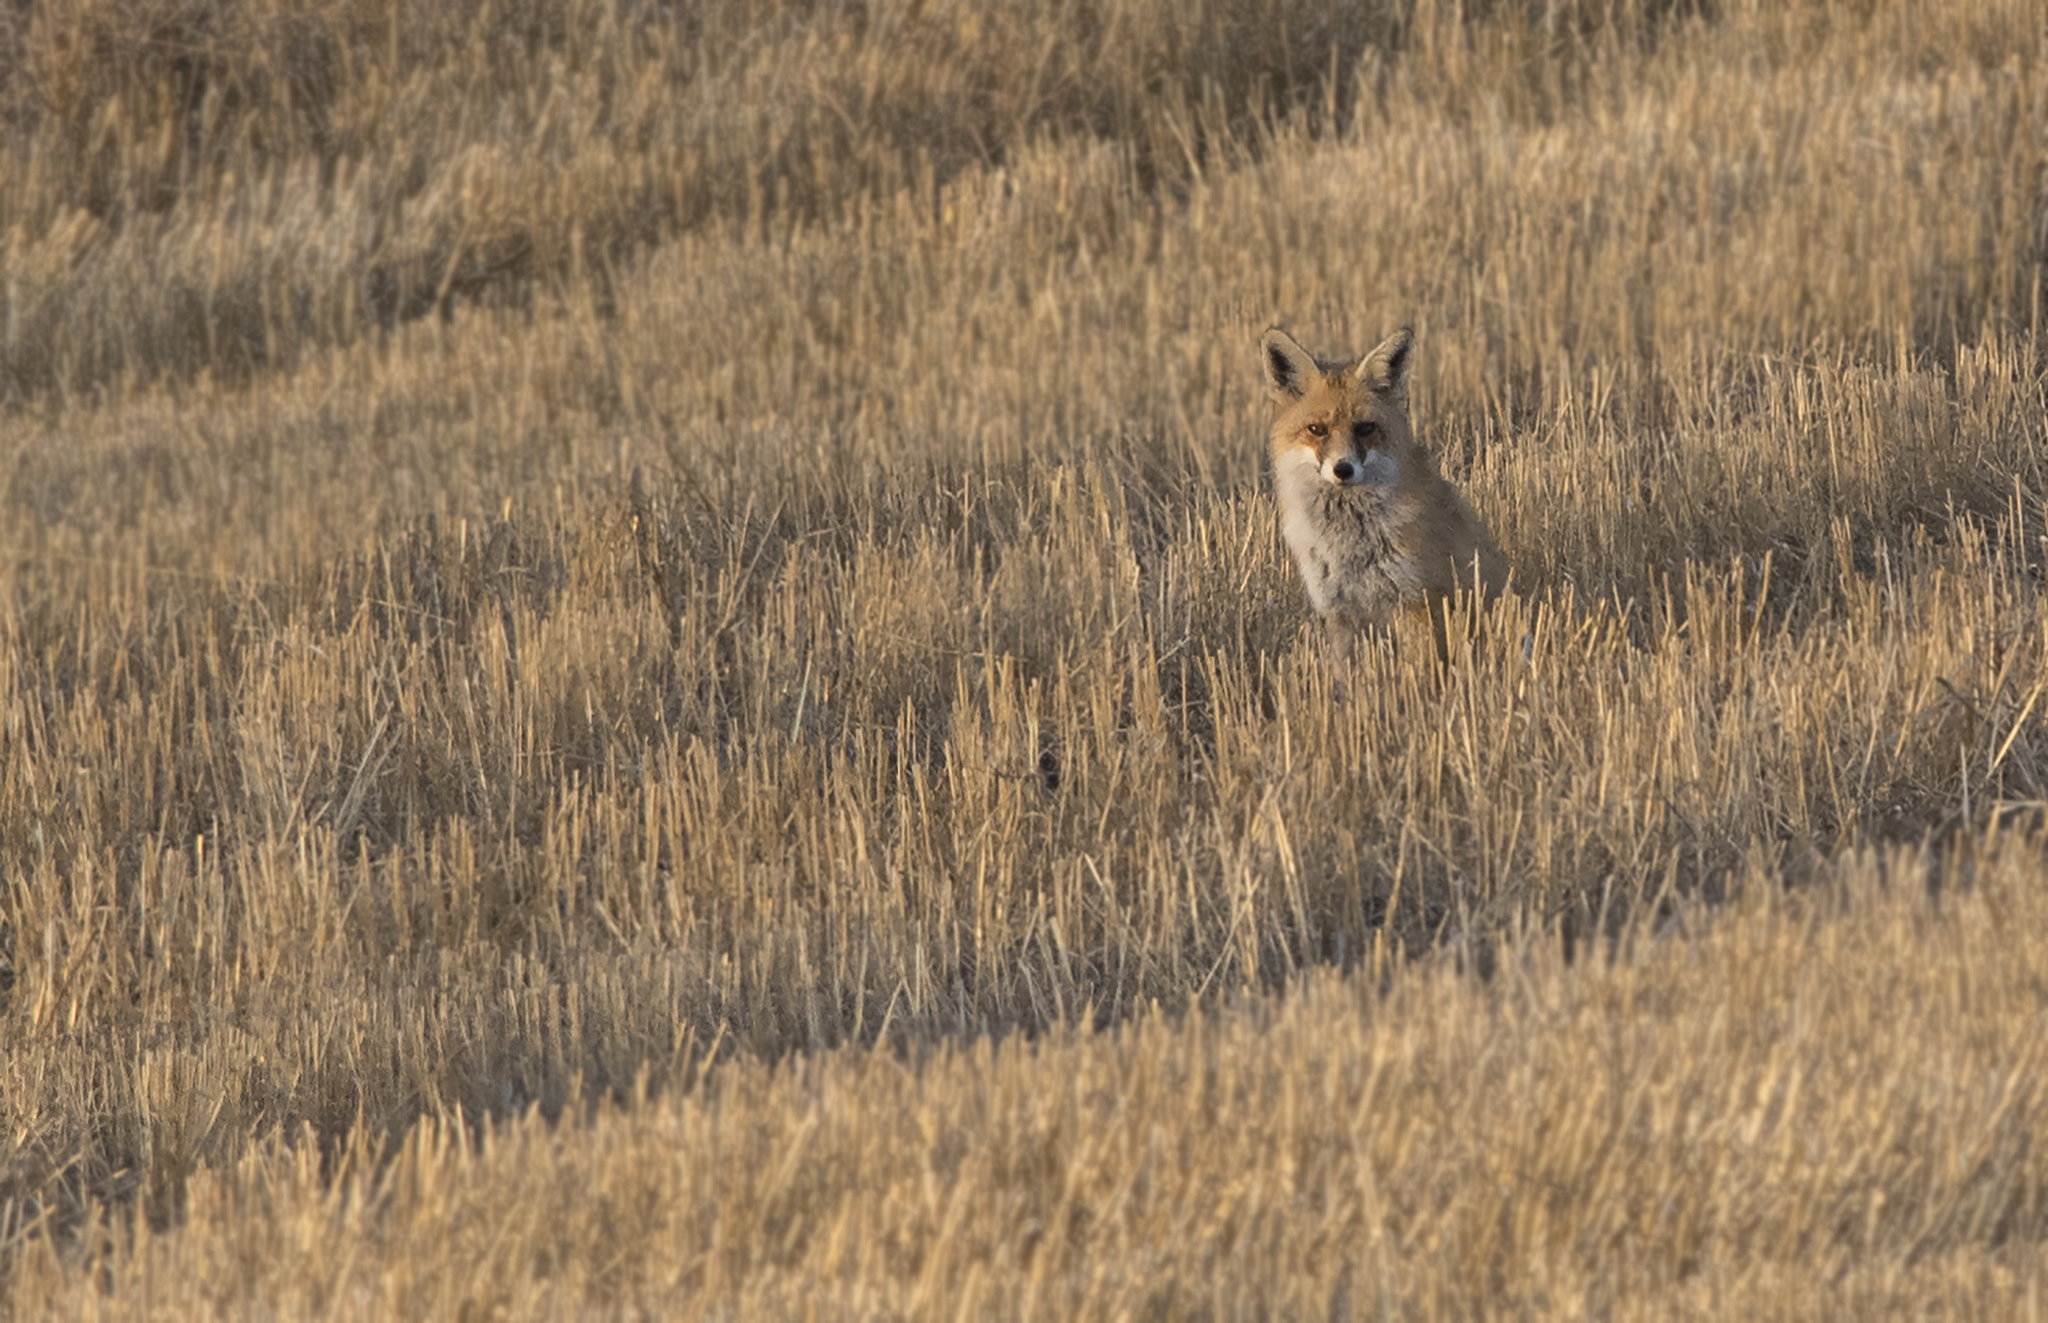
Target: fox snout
(1360,468)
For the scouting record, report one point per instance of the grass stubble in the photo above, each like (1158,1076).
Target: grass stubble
(645,668)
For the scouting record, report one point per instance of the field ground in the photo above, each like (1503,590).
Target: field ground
(645,666)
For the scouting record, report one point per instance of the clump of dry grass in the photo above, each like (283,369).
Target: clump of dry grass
(847,615)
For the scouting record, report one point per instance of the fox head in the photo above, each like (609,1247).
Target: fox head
(1347,420)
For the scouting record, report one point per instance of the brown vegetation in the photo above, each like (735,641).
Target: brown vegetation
(555,557)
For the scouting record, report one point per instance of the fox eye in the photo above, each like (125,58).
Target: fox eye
(1366,429)
(1318,430)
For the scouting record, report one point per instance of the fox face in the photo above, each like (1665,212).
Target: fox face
(1349,422)
(1374,527)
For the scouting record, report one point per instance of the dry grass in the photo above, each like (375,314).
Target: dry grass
(1824,1107)
(809,590)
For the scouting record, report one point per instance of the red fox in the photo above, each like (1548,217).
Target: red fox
(1376,529)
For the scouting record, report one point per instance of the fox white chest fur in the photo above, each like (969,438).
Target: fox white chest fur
(1374,527)
(1341,536)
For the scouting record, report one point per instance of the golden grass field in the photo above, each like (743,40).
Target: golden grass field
(646,668)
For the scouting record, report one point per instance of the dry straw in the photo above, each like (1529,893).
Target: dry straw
(556,557)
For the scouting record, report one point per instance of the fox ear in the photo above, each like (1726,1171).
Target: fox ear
(1385,370)
(1289,367)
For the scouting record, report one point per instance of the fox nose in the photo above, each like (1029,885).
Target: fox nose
(1343,471)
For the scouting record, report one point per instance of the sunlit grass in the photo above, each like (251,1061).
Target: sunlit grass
(557,557)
